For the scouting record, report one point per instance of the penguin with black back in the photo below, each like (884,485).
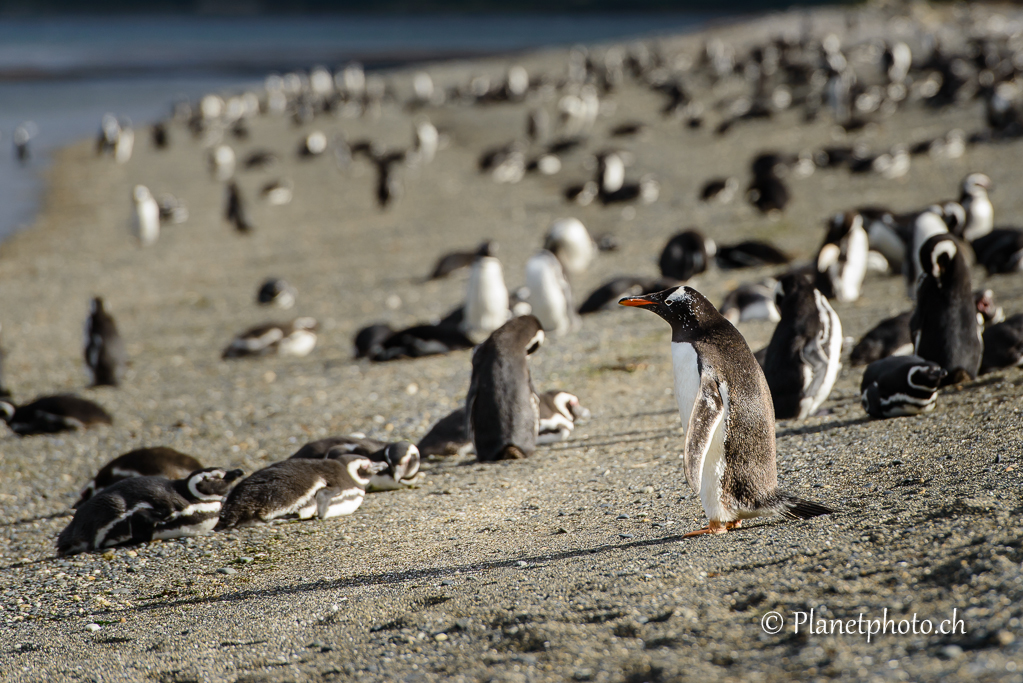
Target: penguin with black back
(804,356)
(726,409)
(143,509)
(502,408)
(234,211)
(456,260)
(51,414)
(686,255)
(105,355)
(401,457)
(558,412)
(900,385)
(944,323)
(158,461)
(448,436)
(1000,250)
(276,292)
(611,291)
(890,337)
(749,254)
(1003,345)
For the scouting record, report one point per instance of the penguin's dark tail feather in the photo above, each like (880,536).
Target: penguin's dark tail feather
(793,507)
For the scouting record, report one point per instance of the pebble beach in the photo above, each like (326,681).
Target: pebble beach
(568,565)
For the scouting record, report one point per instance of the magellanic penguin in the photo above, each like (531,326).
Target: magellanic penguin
(890,337)
(900,385)
(303,487)
(448,436)
(558,412)
(686,255)
(1000,250)
(146,218)
(143,509)
(502,409)
(804,356)
(143,462)
(105,356)
(725,406)
(276,292)
(944,323)
(1003,345)
(751,301)
(611,291)
(570,241)
(401,458)
(297,338)
(50,414)
(550,295)
(979,212)
(842,258)
(486,299)
(926,225)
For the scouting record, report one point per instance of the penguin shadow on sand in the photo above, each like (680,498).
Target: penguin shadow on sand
(797,430)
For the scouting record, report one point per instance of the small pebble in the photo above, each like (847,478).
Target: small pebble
(625,535)
(951,652)
(92,628)
(441,637)
(447,582)
(647,489)
(246,560)
(623,516)
(227,570)
(521,563)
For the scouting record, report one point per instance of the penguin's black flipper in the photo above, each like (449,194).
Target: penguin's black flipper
(324,499)
(793,507)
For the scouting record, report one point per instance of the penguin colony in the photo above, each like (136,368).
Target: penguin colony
(728,396)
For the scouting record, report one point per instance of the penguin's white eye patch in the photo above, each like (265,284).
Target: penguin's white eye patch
(679,294)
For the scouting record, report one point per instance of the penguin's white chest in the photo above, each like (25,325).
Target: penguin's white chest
(547,298)
(710,461)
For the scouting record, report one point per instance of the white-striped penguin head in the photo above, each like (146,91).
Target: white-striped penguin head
(937,255)
(212,483)
(688,312)
(403,459)
(360,468)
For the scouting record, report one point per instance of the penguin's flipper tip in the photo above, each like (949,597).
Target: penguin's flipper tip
(799,508)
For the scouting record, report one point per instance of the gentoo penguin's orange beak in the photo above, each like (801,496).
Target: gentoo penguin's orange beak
(636,301)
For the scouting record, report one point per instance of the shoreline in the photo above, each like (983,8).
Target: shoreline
(565,566)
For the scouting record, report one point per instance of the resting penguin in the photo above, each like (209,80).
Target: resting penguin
(448,436)
(569,240)
(686,255)
(550,295)
(306,488)
(104,351)
(890,337)
(297,338)
(804,356)
(456,260)
(486,299)
(900,385)
(276,292)
(143,462)
(754,301)
(842,258)
(1000,250)
(50,414)
(944,323)
(726,410)
(143,509)
(558,412)
(1003,345)
(749,254)
(611,291)
(501,406)
(401,458)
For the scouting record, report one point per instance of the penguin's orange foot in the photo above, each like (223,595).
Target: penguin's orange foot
(714,527)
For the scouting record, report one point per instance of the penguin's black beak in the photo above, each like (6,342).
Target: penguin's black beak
(637,301)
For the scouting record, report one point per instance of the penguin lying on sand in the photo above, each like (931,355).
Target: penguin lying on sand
(49,414)
(297,338)
(401,458)
(448,436)
(900,385)
(611,291)
(558,412)
(276,292)
(727,413)
(1003,345)
(143,462)
(143,509)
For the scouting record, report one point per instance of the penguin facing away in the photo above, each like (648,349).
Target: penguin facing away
(725,405)
(104,350)
(143,509)
(502,408)
(143,462)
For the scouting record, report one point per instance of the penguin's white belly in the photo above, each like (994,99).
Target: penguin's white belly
(299,343)
(344,504)
(712,469)
(855,268)
(548,300)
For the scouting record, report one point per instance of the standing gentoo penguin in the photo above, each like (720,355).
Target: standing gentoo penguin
(1003,345)
(276,292)
(303,487)
(686,255)
(976,203)
(143,462)
(297,338)
(570,241)
(842,258)
(725,406)
(558,412)
(900,385)
(146,219)
(502,409)
(486,299)
(944,323)
(104,351)
(143,509)
(49,414)
(804,356)
(550,295)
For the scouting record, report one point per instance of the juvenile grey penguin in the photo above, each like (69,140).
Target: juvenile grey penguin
(105,356)
(401,458)
(143,509)
(804,356)
(944,323)
(502,408)
(550,295)
(900,385)
(304,487)
(50,414)
(143,462)
(727,413)
(558,412)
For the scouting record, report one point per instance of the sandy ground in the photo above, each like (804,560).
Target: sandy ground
(567,566)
